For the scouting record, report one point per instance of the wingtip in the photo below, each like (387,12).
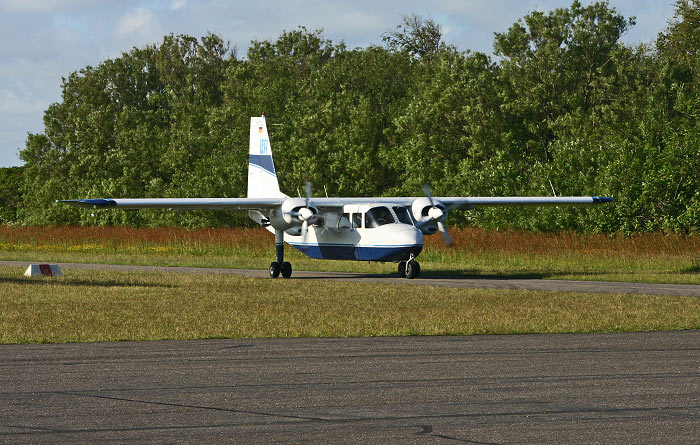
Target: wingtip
(602,199)
(89,203)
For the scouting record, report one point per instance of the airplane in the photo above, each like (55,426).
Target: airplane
(383,229)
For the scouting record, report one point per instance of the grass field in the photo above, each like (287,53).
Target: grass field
(648,257)
(109,306)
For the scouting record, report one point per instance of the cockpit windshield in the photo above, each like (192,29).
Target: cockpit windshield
(378,216)
(402,215)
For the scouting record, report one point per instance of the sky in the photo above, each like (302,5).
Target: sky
(42,41)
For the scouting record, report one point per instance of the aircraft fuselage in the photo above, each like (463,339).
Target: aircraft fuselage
(371,232)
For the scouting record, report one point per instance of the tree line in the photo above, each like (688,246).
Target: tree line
(562,107)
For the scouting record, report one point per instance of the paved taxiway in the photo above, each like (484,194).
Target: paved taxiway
(689,290)
(591,388)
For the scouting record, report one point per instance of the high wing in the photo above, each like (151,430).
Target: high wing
(178,203)
(466,202)
(327,203)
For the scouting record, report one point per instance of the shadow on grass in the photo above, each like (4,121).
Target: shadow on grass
(476,275)
(692,269)
(73,282)
(483,276)
(450,274)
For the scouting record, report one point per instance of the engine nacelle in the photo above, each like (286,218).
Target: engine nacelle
(294,231)
(289,215)
(427,215)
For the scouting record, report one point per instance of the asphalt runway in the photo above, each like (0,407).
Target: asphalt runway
(591,388)
(426,279)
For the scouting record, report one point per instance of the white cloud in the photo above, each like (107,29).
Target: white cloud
(178,5)
(134,21)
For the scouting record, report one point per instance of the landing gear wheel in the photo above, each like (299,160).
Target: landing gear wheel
(402,269)
(286,269)
(412,269)
(274,270)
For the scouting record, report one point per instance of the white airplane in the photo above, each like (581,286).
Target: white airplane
(385,229)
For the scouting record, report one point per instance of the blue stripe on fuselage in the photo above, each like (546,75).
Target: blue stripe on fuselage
(358,253)
(262,161)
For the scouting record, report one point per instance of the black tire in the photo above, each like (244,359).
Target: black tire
(286,269)
(416,264)
(402,269)
(412,270)
(274,270)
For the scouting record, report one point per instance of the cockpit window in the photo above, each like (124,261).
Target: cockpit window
(402,215)
(378,216)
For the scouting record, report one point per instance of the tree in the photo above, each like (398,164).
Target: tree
(11,180)
(416,36)
(552,65)
(132,126)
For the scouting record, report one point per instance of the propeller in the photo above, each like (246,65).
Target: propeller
(437,214)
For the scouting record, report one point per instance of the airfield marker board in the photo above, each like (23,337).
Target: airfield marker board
(47,270)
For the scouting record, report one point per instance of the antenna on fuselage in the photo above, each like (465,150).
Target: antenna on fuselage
(324,189)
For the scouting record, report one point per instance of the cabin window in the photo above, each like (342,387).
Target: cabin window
(403,215)
(344,221)
(378,216)
(357,220)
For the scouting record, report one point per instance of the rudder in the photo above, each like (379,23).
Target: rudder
(262,178)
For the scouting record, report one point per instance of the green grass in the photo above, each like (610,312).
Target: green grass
(110,306)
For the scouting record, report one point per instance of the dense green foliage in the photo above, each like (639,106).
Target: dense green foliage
(10,193)
(562,106)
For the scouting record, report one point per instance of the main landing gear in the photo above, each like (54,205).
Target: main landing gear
(409,269)
(280,266)
(276,269)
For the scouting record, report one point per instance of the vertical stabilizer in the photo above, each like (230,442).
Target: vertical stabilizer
(262,178)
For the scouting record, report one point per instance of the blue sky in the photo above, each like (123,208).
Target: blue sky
(44,40)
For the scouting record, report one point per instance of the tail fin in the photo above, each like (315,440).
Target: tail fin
(262,179)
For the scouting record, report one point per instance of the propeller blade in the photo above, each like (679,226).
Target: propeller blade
(304,230)
(428,194)
(307,191)
(445,234)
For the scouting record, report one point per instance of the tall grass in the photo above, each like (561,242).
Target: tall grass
(258,240)
(656,257)
(127,239)
(539,243)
